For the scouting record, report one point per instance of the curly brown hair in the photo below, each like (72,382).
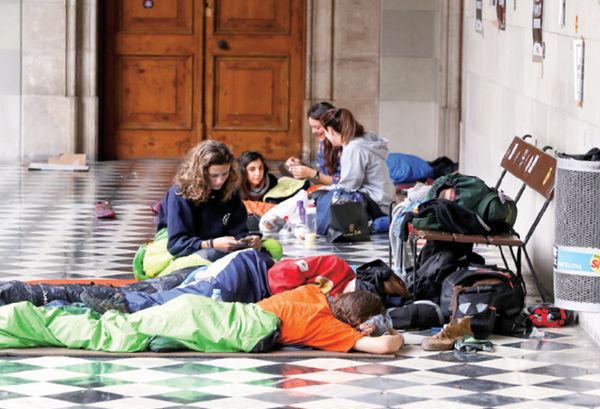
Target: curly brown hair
(192,176)
(355,307)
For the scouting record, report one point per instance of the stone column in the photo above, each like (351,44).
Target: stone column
(450,79)
(319,68)
(59,104)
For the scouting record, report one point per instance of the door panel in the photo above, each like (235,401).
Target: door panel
(259,78)
(142,79)
(173,16)
(254,78)
(153,78)
(233,16)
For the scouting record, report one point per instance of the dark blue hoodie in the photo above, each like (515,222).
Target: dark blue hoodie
(189,223)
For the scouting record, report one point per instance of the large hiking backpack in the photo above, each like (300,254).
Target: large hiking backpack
(492,296)
(436,261)
(472,203)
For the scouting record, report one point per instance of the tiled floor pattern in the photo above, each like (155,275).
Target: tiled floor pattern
(48,230)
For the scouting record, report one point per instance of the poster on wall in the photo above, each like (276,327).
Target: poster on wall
(538,44)
(501,14)
(478,16)
(578,60)
(562,8)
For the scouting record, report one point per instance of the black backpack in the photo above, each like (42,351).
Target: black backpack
(437,260)
(492,296)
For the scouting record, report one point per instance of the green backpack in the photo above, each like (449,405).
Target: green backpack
(496,210)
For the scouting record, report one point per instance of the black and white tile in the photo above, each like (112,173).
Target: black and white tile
(48,230)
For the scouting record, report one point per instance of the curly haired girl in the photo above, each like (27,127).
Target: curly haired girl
(203,211)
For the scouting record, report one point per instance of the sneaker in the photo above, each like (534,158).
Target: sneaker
(444,340)
(101,305)
(155,207)
(104,210)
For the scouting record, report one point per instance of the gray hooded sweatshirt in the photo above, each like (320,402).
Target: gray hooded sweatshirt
(363,168)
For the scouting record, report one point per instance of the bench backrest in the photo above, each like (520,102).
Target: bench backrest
(531,165)
(535,168)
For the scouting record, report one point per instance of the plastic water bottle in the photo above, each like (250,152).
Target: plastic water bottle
(286,232)
(336,196)
(301,212)
(311,225)
(216,294)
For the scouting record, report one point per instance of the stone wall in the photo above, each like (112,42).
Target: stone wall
(10,79)
(48,111)
(343,60)
(420,77)
(506,94)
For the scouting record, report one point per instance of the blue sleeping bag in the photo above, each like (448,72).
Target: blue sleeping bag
(406,168)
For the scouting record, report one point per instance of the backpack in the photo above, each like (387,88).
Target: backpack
(549,315)
(465,204)
(436,261)
(492,296)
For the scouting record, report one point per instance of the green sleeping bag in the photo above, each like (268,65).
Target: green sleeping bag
(195,322)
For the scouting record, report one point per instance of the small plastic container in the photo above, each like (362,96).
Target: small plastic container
(216,294)
(311,225)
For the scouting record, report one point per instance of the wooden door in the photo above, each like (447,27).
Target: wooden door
(179,71)
(254,78)
(153,55)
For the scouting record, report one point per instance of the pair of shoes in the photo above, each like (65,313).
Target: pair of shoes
(104,210)
(444,340)
(155,207)
(101,305)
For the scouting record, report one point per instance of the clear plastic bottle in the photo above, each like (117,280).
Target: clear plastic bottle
(286,231)
(216,294)
(301,212)
(311,225)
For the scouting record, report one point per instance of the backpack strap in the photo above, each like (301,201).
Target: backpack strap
(485,202)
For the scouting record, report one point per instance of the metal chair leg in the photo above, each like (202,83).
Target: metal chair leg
(541,290)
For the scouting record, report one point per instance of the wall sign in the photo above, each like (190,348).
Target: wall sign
(578,61)
(501,14)
(536,21)
(562,8)
(478,16)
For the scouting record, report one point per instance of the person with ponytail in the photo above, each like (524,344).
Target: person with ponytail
(327,167)
(362,162)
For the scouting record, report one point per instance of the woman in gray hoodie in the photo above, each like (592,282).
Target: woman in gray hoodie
(362,163)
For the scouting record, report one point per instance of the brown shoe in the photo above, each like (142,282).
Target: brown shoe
(444,340)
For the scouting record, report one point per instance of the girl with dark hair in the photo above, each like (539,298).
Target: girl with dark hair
(327,170)
(363,166)
(203,212)
(255,179)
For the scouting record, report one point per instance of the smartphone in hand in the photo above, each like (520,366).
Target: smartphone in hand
(243,243)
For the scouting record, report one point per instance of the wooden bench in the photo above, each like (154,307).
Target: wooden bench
(536,169)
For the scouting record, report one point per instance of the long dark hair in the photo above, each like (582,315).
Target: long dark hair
(331,154)
(243,160)
(342,121)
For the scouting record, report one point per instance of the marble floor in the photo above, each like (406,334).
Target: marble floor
(48,230)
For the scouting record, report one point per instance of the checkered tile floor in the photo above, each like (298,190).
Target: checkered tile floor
(48,230)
